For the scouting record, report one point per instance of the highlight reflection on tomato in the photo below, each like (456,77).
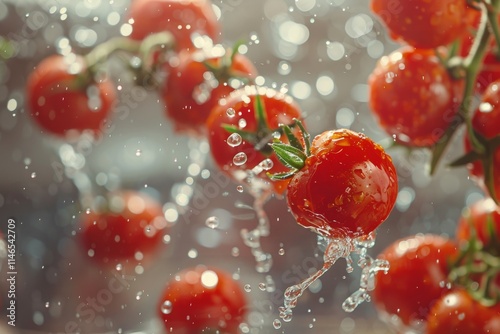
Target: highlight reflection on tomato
(202,299)
(63,97)
(128,231)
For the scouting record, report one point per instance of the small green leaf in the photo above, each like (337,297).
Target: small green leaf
(439,149)
(235,48)
(290,156)
(210,67)
(489,177)
(465,159)
(294,141)
(260,114)
(282,176)
(305,135)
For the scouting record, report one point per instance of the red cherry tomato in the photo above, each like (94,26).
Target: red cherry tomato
(62,97)
(182,18)
(480,219)
(239,111)
(132,224)
(192,90)
(457,313)
(485,122)
(417,278)
(346,188)
(413,96)
(202,299)
(421,23)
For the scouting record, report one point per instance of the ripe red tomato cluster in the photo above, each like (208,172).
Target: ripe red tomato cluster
(423,91)
(446,74)
(340,185)
(444,285)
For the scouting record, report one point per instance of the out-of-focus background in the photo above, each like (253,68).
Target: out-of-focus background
(320,51)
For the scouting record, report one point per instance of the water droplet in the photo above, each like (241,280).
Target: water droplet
(262,286)
(166,307)
(138,153)
(239,189)
(266,164)
(33,175)
(235,252)
(193,253)
(230,112)
(240,158)
(119,267)
(47,304)
(284,88)
(242,123)
(277,324)
(270,285)
(247,288)
(212,222)
(281,251)
(234,140)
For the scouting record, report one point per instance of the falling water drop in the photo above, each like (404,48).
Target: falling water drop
(242,123)
(234,140)
(266,164)
(212,222)
(166,307)
(240,158)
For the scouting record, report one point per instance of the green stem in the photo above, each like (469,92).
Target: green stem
(472,64)
(103,51)
(163,41)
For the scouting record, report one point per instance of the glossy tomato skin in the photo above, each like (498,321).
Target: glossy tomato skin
(202,298)
(347,187)
(189,97)
(485,121)
(417,277)
(279,109)
(421,23)
(58,97)
(477,220)
(457,313)
(182,18)
(413,96)
(133,223)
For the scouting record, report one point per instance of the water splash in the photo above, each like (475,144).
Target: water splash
(251,238)
(335,249)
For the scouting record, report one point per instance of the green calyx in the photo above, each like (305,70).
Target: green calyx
(486,158)
(223,71)
(294,154)
(262,135)
(478,266)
